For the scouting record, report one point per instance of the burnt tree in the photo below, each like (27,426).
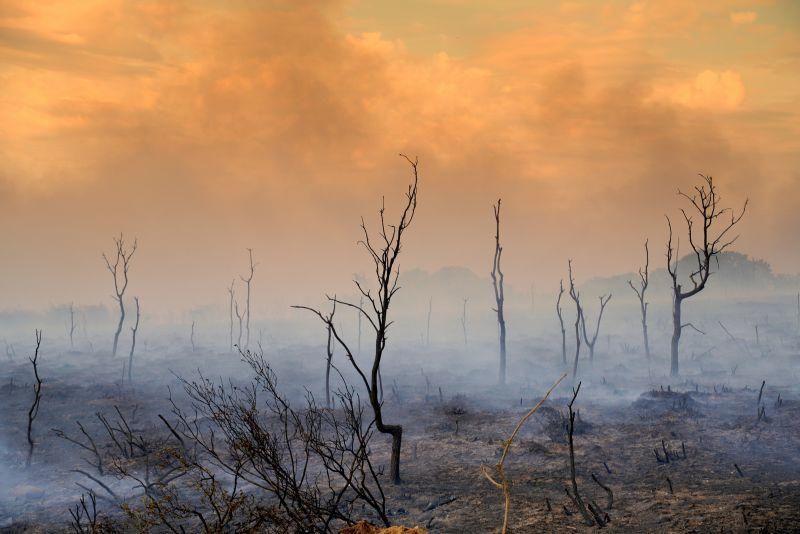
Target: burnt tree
(231,294)
(713,239)
(37,396)
(329,352)
(119,270)
(71,325)
(575,495)
(561,323)
(248,281)
(604,300)
(499,293)
(384,252)
(134,331)
(644,282)
(239,318)
(576,298)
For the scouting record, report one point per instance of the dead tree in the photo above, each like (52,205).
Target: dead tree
(230,315)
(644,282)
(71,324)
(119,270)
(191,338)
(464,320)
(561,323)
(312,464)
(499,294)
(576,298)
(247,281)
(37,396)
(604,300)
(134,330)
(239,317)
(714,239)
(329,361)
(384,252)
(575,496)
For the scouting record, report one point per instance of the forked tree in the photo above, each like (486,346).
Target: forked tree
(384,251)
(712,240)
(604,300)
(37,396)
(644,282)
(576,298)
(119,271)
(134,331)
(561,323)
(499,292)
(248,281)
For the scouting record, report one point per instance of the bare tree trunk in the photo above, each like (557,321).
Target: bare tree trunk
(604,300)
(573,293)
(644,282)
(37,396)
(119,270)
(328,370)
(239,317)
(134,330)
(561,323)
(71,325)
(230,315)
(384,258)
(499,294)
(247,281)
(119,326)
(677,330)
(191,338)
(705,202)
(576,496)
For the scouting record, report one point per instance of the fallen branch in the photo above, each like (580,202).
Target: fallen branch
(502,481)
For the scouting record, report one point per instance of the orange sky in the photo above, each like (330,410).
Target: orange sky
(207,127)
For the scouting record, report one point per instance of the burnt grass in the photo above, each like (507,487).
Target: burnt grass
(728,469)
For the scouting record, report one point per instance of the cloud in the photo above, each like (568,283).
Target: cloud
(207,128)
(743,18)
(708,90)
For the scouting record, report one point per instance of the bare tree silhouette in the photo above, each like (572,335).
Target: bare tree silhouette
(384,252)
(134,330)
(499,293)
(119,270)
(37,396)
(705,201)
(248,281)
(576,298)
(561,323)
(230,314)
(604,300)
(644,282)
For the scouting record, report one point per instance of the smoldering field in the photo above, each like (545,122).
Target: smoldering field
(708,451)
